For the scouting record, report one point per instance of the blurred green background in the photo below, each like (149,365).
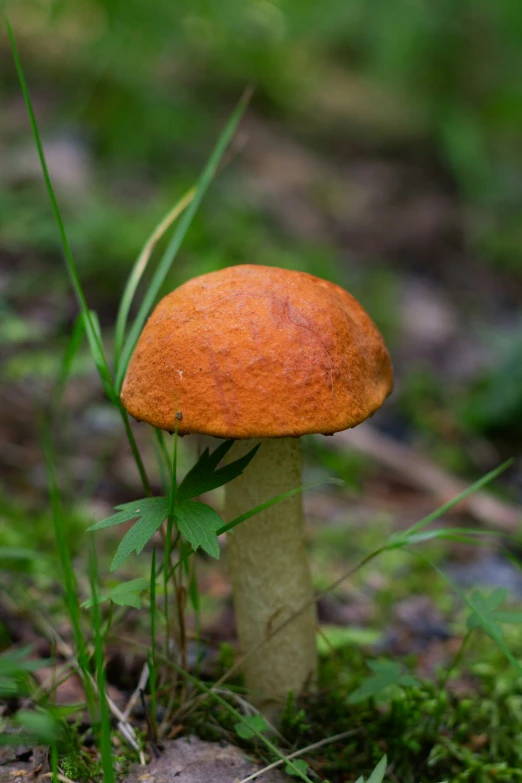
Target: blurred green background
(382,150)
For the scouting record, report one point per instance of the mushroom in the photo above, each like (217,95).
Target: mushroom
(257,353)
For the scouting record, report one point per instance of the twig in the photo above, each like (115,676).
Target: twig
(144,676)
(59,776)
(421,472)
(300,752)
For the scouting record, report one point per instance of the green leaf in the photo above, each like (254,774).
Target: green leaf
(486,614)
(39,724)
(302,768)
(379,772)
(475,608)
(124,594)
(250,726)
(14,665)
(15,662)
(152,515)
(127,593)
(336,637)
(129,511)
(385,674)
(205,475)
(199,524)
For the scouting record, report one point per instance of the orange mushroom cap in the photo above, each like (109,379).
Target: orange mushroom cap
(256,351)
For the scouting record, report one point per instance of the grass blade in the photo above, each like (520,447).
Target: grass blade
(273,501)
(454,501)
(152,651)
(168,540)
(139,268)
(89,324)
(178,236)
(71,267)
(238,716)
(71,351)
(105,723)
(94,337)
(69,580)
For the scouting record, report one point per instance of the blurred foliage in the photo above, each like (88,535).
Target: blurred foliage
(494,405)
(144,83)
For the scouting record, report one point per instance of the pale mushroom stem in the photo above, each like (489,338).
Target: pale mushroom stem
(270,570)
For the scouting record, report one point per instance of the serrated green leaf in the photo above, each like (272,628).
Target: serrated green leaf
(129,511)
(302,768)
(141,532)
(128,593)
(498,639)
(132,586)
(124,594)
(199,523)
(129,599)
(486,614)
(385,674)
(250,726)
(379,772)
(205,475)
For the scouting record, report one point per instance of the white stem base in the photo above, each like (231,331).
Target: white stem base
(270,571)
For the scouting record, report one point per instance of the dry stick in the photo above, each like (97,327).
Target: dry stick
(144,676)
(62,778)
(422,472)
(300,752)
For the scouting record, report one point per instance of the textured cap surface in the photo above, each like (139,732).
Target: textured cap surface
(255,351)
